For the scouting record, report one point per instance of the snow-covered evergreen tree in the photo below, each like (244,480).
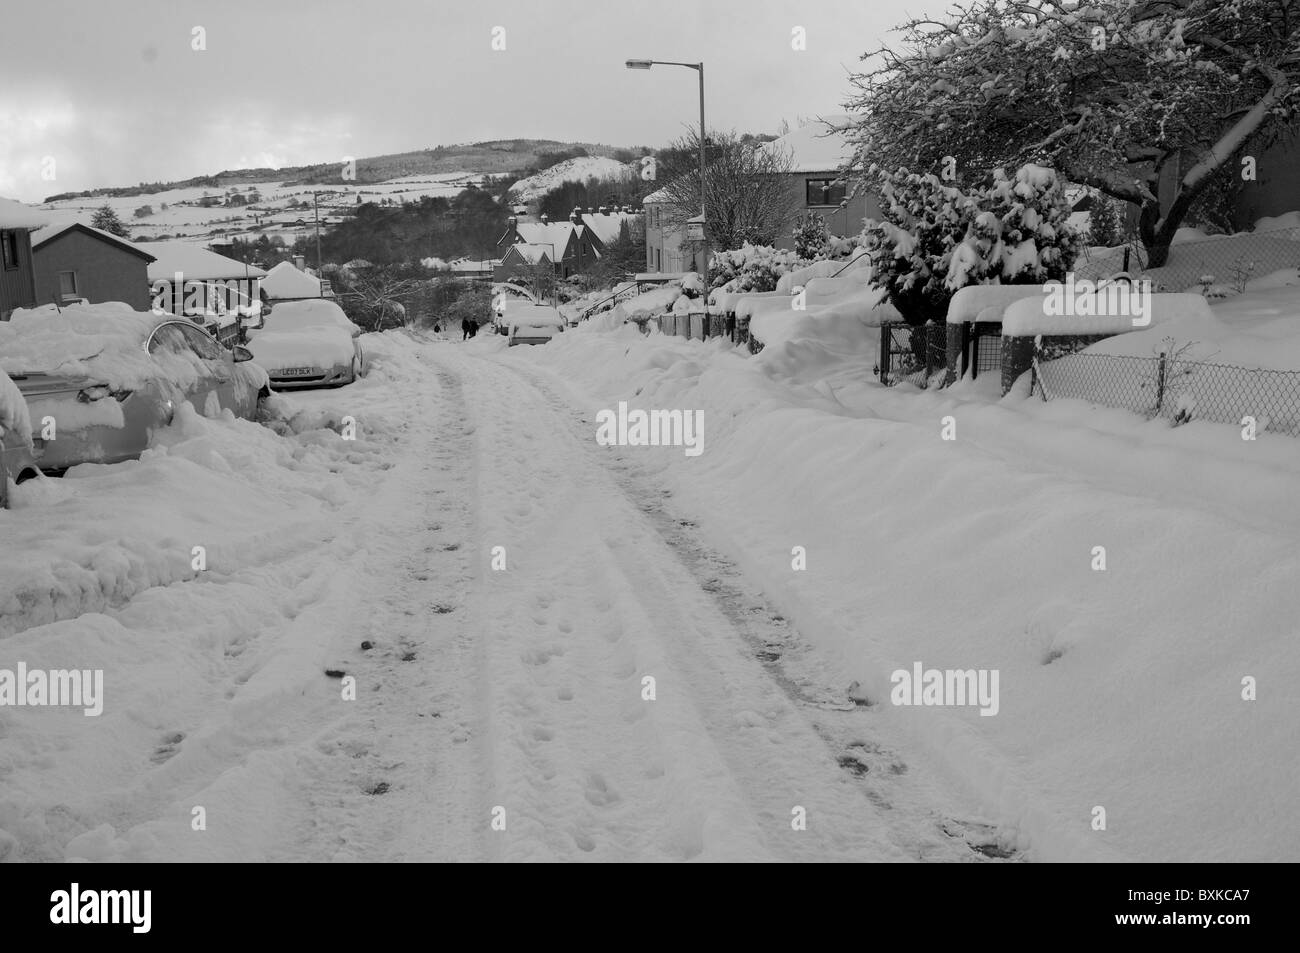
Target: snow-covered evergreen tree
(936,238)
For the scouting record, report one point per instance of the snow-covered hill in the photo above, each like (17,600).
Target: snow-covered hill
(278,208)
(570,170)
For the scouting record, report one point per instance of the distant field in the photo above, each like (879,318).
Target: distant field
(406,176)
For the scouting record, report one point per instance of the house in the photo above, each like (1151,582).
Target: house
(817,154)
(665,247)
(188,280)
(522,260)
(17,273)
(290,281)
(569,245)
(75,261)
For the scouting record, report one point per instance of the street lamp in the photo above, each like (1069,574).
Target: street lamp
(699,68)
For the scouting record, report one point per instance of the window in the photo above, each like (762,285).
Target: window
(68,284)
(202,343)
(168,339)
(823,192)
(8,250)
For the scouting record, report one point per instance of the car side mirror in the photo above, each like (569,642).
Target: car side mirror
(241,354)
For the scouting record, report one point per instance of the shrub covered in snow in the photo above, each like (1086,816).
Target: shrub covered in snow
(692,284)
(936,238)
(751,267)
(811,237)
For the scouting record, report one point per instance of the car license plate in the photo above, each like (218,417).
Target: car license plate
(297,371)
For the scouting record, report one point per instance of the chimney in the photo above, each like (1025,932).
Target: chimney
(546,219)
(603,210)
(300,262)
(512,221)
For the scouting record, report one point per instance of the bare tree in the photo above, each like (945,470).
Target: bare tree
(375,300)
(1113,93)
(748,197)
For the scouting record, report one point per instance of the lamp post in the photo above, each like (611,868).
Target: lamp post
(699,68)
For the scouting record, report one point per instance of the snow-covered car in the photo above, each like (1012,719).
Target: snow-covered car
(308,344)
(531,323)
(17,460)
(98,380)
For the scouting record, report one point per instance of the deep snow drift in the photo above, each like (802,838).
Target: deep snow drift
(1122,687)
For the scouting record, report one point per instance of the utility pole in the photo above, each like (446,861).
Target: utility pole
(316,208)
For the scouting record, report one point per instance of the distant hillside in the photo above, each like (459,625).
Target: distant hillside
(493,157)
(578,169)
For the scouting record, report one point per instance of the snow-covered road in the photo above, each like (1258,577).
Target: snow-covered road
(468,630)
(618,691)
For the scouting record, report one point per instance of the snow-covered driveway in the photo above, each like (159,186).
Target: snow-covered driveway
(498,713)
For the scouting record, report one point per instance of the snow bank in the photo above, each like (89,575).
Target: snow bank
(905,532)
(655,302)
(246,492)
(1257,330)
(857,265)
(1027,317)
(969,303)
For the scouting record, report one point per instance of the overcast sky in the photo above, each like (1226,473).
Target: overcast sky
(113,91)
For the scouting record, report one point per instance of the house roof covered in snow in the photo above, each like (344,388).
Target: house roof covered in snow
(816,146)
(533,254)
(17,215)
(284,281)
(554,233)
(194,262)
(51,232)
(606,227)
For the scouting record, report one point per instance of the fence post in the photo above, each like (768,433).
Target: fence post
(885,334)
(1160,381)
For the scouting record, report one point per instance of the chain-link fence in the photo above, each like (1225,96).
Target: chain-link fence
(1219,267)
(912,353)
(1180,390)
(988,348)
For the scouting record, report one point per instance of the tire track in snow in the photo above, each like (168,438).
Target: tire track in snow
(597,596)
(924,820)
